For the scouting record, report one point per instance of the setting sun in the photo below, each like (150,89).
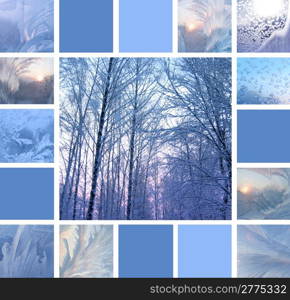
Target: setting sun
(246,189)
(191,27)
(39,78)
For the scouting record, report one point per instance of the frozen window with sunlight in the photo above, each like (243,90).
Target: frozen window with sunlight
(264,194)
(204,25)
(263,26)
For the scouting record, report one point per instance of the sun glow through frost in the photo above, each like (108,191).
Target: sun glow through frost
(246,189)
(268,8)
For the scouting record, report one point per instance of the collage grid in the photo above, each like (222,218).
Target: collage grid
(233,223)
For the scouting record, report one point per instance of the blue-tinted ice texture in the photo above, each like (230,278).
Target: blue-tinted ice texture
(264,194)
(26,251)
(263,26)
(27,136)
(26,25)
(86,251)
(204,26)
(264,251)
(263,81)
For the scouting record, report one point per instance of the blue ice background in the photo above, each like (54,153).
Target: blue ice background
(27,136)
(267,80)
(26,251)
(27,25)
(264,251)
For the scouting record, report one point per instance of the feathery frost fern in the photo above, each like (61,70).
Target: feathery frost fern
(215,30)
(26,136)
(264,251)
(86,251)
(26,251)
(26,25)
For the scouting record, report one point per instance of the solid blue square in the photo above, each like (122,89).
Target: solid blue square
(145,26)
(26,194)
(204,251)
(145,251)
(86,26)
(263,136)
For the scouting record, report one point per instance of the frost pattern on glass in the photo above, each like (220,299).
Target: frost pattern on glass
(26,251)
(26,26)
(264,251)
(204,26)
(26,81)
(264,194)
(86,251)
(26,136)
(263,81)
(263,26)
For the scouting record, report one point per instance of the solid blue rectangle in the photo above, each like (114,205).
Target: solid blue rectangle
(263,136)
(26,194)
(86,26)
(204,251)
(145,251)
(145,26)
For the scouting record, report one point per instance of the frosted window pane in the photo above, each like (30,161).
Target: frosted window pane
(26,26)
(263,194)
(263,26)
(204,25)
(264,81)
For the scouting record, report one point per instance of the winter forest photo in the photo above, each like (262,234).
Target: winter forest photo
(145,138)
(26,26)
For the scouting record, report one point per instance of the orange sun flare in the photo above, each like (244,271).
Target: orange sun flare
(246,189)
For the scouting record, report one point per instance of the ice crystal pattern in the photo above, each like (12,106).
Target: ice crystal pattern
(264,251)
(256,30)
(264,81)
(86,251)
(204,26)
(26,26)
(26,136)
(264,194)
(26,251)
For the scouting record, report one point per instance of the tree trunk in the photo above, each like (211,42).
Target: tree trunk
(132,148)
(99,143)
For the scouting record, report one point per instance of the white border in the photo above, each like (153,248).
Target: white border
(234,55)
